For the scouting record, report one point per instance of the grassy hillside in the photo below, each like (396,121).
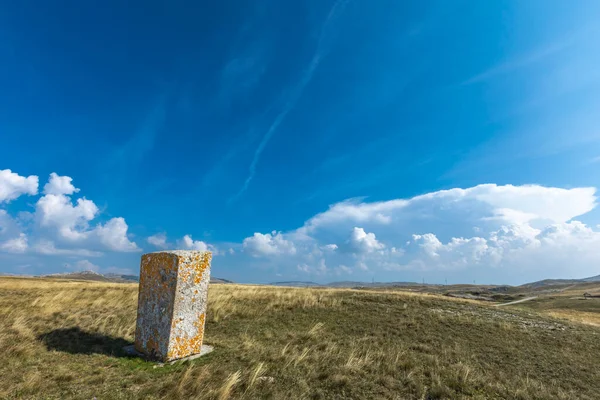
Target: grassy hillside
(63,339)
(569,303)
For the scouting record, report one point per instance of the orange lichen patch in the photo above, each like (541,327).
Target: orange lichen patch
(194,267)
(183,347)
(199,324)
(200,265)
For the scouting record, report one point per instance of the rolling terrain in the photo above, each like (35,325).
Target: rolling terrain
(64,338)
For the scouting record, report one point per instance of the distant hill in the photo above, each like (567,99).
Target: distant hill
(351,284)
(220,280)
(295,284)
(83,275)
(342,284)
(493,288)
(592,279)
(116,278)
(125,278)
(557,282)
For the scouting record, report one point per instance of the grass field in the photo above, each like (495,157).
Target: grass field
(568,302)
(64,339)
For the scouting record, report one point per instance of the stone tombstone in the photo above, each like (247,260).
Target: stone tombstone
(172,304)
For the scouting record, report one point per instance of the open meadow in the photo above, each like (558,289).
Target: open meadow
(63,339)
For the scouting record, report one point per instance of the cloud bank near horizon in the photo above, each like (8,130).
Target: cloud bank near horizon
(509,232)
(490,230)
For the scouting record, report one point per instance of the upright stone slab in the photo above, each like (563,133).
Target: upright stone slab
(172,303)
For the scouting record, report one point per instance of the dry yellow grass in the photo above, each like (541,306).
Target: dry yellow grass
(582,317)
(63,339)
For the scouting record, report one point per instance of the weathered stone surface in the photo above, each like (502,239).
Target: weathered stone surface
(172,303)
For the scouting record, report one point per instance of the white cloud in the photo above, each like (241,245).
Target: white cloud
(158,240)
(521,231)
(70,222)
(553,204)
(329,247)
(457,253)
(507,231)
(362,266)
(12,185)
(58,226)
(59,185)
(113,235)
(354,211)
(16,245)
(319,268)
(268,244)
(47,247)
(506,203)
(82,265)
(9,228)
(188,243)
(363,242)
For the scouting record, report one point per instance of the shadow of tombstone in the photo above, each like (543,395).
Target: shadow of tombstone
(76,341)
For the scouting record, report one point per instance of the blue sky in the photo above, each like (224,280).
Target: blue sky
(313,140)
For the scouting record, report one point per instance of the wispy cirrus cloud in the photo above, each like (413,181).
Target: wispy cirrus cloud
(323,46)
(538,54)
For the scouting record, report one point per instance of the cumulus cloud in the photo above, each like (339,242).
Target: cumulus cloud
(48,248)
(268,244)
(113,235)
(320,268)
(508,204)
(158,240)
(59,225)
(59,185)
(329,247)
(528,230)
(13,185)
(70,221)
(188,243)
(505,230)
(363,242)
(17,245)
(9,227)
(431,253)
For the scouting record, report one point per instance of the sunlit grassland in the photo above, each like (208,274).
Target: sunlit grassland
(570,304)
(64,339)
